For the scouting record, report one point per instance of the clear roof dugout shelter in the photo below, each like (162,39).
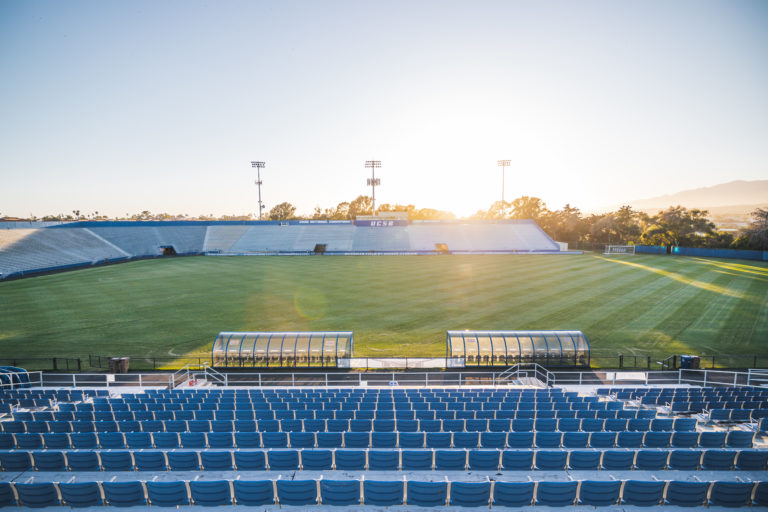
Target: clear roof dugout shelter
(281,349)
(493,348)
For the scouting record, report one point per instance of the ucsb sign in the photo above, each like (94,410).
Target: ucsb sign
(381,223)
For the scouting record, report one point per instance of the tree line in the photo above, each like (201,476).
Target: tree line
(675,226)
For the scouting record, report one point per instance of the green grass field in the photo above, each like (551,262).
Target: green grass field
(396,306)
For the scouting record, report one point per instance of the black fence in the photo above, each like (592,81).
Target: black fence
(599,360)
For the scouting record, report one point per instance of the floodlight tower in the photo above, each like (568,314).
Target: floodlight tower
(259,166)
(503,164)
(373,182)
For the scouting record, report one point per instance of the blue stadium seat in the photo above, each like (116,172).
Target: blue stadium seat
(220,440)
(551,460)
(7,442)
(185,460)
(83,441)
(247,460)
(548,439)
(7,498)
(165,440)
(247,439)
(584,460)
(470,494)
(752,460)
(210,493)
(686,460)
(643,494)
(438,439)
(575,439)
(426,494)
(483,460)
(685,425)
(383,493)
(81,494)
(657,439)
(350,460)
(340,492)
(167,494)
(254,492)
(493,439)
(282,460)
(450,460)
(556,494)
(316,460)
(111,440)
(117,460)
(329,439)
(29,441)
(37,495)
(383,460)
(740,439)
(297,492)
(687,494)
(619,460)
(520,439)
(629,439)
(302,439)
(466,439)
(683,439)
(149,460)
(651,460)
(242,425)
(513,494)
(718,460)
(129,426)
(712,439)
(192,440)
(517,460)
(599,493)
(761,494)
(414,460)
(731,494)
(357,439)
(274,439)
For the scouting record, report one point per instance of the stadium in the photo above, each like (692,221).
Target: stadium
(309,411)
(580,325)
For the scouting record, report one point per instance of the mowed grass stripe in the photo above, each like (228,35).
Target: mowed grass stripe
(396,305)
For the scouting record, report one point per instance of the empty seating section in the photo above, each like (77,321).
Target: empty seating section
(471,447)
(83,243)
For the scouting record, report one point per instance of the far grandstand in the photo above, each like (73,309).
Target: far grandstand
(26,249)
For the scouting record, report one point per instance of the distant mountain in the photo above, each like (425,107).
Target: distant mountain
(725,197)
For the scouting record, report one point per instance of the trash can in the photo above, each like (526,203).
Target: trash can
(114,365)
(690,362)
(124,364)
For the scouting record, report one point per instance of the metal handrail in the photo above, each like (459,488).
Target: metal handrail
(539,373)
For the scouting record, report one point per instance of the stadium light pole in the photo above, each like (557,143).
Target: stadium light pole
(503,164)
(259,166)
(373,181)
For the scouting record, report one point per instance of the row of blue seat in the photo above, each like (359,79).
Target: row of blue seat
(554,439)
(388,425)
(385,493)
(737,415)
(346,406)
(388,460)
(262,414)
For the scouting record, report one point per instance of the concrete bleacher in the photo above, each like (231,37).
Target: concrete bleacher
(64,245)
(427,447)
(23,250)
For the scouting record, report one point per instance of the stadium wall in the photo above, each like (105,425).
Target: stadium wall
(703,252)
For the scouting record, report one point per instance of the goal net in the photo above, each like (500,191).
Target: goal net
(619,249)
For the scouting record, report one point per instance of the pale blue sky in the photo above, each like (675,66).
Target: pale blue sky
(125,106)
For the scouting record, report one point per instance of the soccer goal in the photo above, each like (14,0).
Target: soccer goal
(619,249)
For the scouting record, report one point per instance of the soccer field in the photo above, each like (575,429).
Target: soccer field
(396,305)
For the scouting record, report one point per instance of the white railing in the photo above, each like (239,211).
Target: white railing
(526,371)
(404,378)
(16,380)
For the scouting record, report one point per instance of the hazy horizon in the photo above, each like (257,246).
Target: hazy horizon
(124,107)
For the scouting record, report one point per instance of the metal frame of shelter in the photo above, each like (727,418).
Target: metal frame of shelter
(496,348)
(281,349)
